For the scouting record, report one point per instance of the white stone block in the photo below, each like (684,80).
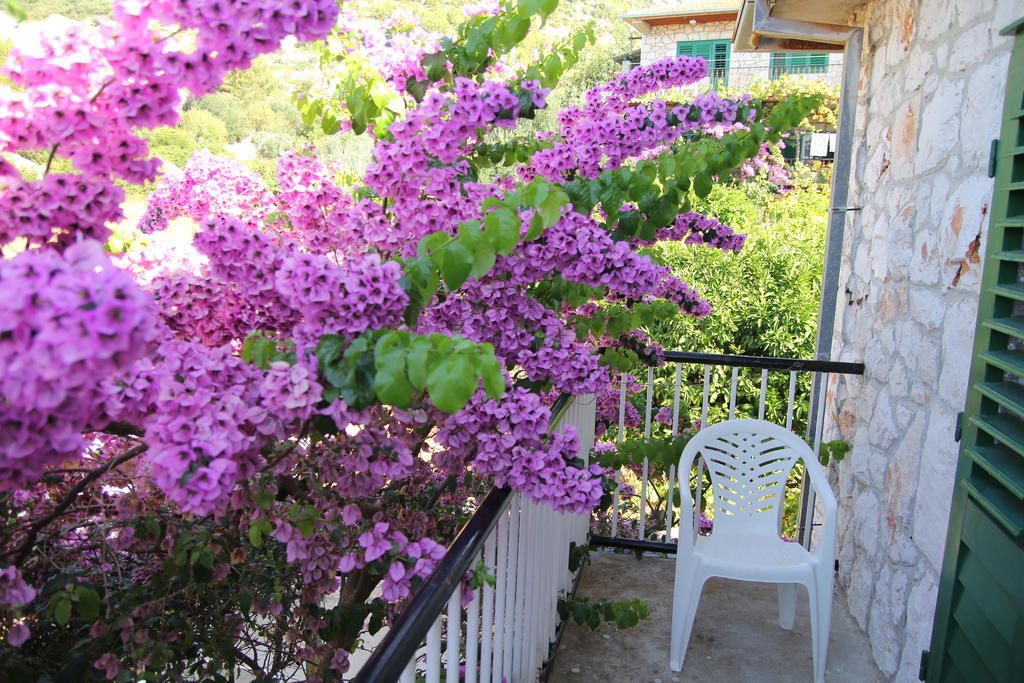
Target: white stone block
(971,47)
(935,484)
(920,611)
(957,346)
(882,631)
(939,130)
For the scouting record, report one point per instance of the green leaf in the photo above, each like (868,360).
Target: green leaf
(490,373)
(15,10)
(702,184)
(329,347)
(551,208)
(256,535)
(456,265)
(88,604)
(483,259)
(451,381)
(416,362)
(502,226)
(258,350)
(391,383)
(62,611)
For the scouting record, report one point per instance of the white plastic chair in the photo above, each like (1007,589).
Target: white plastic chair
(749,461)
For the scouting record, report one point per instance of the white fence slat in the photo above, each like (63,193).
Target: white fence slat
(791,401)
(452,651)
(409,674)
(732,392)
(705,403)
(489,634)
(764,394)
(434,652)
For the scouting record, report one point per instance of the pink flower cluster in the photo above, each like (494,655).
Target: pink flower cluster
(408,560)
(14,592)
(507,438)
(85,90)
(208,187)
(67,323)
(58,207)
(419,169)
(694,228)
(522,331)
(608,130)
(396,45)
(670,72)
(313,203)
(206,415)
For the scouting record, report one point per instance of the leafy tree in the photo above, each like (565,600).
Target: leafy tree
(205,130)
(228,109)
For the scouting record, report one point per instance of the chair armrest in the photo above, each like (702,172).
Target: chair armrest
(824,493)
(822,489)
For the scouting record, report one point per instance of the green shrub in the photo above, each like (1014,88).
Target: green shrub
(205,129)
(171,145)
(228,109)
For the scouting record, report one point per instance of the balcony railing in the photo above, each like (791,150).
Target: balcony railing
(509,629)
(789,392)
(740,76)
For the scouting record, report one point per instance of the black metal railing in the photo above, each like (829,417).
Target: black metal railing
(763,363)
(408,631)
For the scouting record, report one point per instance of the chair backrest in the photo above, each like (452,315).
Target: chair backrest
(749,462)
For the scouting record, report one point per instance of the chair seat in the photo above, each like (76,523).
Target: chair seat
(754,558)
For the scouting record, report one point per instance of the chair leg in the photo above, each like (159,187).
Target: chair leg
(821,620)
(787,605)
(684,608)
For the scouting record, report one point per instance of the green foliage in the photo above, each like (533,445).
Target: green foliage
(833,450)
(579,556)
(669,185)
(623,613)
(72,9)
(205,129)
(172,145)
(228,108)
(482,575)
(473,251)
(661,451)
(253,84)
(392,366)
(262,116)
(785,87)
(765,298)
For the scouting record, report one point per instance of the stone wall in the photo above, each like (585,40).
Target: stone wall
(931,88)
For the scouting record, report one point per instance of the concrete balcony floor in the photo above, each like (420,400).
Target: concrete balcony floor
(736,636)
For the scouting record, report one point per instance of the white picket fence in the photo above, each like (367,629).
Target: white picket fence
(506,630)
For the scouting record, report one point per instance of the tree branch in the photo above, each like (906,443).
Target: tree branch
(25,547)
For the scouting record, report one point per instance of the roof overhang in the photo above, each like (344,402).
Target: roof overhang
(644,20)
(793,26)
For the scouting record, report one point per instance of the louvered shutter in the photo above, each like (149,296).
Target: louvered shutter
(979,619)
(715,52)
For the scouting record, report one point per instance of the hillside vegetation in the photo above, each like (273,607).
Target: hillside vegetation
(253,118)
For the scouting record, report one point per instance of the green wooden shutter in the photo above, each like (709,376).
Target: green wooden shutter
(716,52)
(798,63)
(979,618)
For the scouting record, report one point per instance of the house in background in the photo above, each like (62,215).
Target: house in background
(705,28)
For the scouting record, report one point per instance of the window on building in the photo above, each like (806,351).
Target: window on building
(798,63)
(716,52)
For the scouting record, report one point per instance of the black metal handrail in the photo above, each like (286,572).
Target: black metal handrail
(766,362)
(393,653)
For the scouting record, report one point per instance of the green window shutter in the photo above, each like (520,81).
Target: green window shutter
(798,63)
(717,53)
(978,633)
